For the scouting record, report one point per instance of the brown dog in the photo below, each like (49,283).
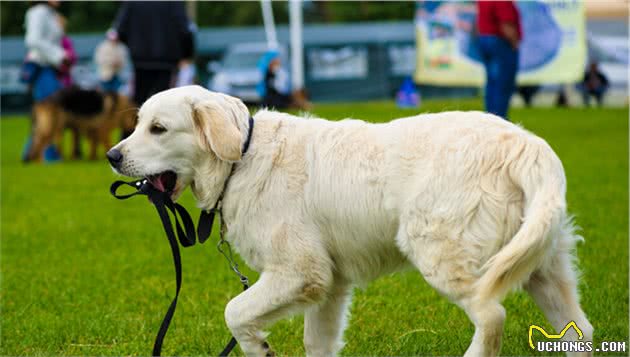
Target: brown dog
(88,112)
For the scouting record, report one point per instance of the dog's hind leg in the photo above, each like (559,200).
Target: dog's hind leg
(488,317)
(76,143)
(58,132)
(450,264)
(554,288)
(105,138)
(324,323)
(93,137)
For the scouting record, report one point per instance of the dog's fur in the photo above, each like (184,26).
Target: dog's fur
(475,203)
(88,112)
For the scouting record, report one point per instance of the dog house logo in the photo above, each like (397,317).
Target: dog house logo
(559,346)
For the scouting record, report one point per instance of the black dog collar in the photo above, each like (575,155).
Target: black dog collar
(249,135)
(206,218)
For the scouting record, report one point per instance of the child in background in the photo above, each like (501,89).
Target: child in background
(408,96)
(186,73)
(110,58)
(274,87)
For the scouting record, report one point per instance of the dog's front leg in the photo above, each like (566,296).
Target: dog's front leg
(274,296)
(324,323)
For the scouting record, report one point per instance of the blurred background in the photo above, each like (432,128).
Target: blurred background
(85,274)
(351,51)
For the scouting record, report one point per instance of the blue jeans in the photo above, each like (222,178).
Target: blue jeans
(501,62)
(112,85)
(46,84)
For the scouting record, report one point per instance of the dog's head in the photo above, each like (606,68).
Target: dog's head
(183,135)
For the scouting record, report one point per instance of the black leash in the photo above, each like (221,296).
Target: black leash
(187,237)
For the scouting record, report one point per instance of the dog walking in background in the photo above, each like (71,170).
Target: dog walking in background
(92,113)
(473,202)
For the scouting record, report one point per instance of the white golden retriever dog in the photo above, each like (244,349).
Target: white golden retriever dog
(473,202)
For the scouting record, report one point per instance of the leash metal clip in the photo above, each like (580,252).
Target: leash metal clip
(227,253)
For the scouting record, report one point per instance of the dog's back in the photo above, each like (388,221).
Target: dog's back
(83,103)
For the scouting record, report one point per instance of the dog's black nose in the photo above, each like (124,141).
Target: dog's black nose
(115,157)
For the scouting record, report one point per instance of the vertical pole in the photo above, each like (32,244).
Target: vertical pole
(297,45)
(270,25)
(191,10)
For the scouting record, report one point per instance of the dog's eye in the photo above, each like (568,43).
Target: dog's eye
(157,129)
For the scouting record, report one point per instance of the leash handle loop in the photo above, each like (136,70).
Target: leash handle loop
(141,187)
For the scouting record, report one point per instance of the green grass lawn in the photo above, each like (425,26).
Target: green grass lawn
(85,274)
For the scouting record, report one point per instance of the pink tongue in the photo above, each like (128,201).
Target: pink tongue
(159,184)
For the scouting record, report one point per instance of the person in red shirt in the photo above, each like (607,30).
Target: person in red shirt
(499,29)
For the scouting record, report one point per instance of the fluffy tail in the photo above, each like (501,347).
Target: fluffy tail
(539,173)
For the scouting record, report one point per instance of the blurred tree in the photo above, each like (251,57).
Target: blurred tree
(357,11)
(246,13)
(12,17)
(97,16)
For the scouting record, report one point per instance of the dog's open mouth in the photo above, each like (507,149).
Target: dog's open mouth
(164,181)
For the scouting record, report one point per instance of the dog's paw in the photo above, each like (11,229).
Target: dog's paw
(268,351)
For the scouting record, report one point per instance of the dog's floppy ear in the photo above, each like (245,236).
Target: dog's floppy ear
(217,130)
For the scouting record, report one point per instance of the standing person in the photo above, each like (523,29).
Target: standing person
(45,57)
(110,58)
(156,34)
(45,54)
(499,28)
